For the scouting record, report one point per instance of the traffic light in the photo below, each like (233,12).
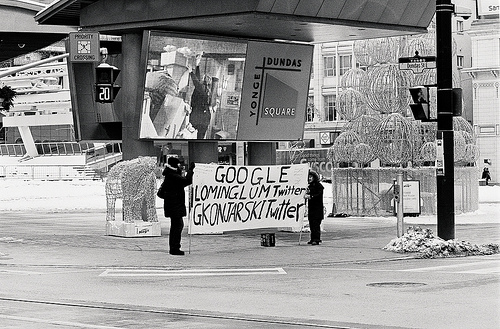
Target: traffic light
(420,106)
(106,89)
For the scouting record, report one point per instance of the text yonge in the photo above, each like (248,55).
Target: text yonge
(274,111)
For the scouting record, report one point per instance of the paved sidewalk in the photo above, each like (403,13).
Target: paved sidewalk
(78,238)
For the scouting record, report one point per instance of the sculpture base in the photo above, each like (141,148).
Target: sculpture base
(133,230)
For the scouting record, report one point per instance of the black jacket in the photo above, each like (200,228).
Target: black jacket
(174,202)
(315,203)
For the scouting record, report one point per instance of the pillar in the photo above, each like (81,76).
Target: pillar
(133,79)
(261,153)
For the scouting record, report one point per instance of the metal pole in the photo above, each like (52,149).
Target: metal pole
(445,180)
(399,209)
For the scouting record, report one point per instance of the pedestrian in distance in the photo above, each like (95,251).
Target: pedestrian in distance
(174,205)
(315,213)
(486,175)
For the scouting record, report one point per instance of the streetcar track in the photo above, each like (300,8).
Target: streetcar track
(185,313)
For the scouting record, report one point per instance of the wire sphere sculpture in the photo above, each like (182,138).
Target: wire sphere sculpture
(422,45)
(342,149)
(362,52)
(428,131)
(295,150)
(459,146)
(386,88)
(353,78)
(363,154)
(379,50)
(350,104)
(460,124)
(425,43)
(428,152)
(385,50)
(394,139)
(363,126)
(428,77)
(471,153)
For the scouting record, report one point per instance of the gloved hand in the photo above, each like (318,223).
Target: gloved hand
(191,166)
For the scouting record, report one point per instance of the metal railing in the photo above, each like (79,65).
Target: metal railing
(63,148)
(98,160)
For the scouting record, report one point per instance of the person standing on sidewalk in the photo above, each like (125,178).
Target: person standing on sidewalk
(174,205)
(486,175)
(315,213)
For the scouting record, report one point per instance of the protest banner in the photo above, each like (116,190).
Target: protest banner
(229,198)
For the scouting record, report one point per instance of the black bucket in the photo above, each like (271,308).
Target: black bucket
(267,240)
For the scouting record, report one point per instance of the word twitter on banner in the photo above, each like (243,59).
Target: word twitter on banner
(229,198)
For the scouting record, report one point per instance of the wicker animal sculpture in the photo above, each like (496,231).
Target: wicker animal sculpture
(133,181)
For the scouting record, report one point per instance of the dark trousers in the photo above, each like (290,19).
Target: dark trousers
(315,226)
(174,239)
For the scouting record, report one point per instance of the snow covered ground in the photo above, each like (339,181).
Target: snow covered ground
(81,195)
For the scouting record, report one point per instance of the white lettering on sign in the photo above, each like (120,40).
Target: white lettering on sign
(227,198)
(417,67)
(279,112)
(84,57)
(84,36)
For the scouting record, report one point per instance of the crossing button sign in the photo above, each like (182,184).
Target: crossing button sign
(84,47)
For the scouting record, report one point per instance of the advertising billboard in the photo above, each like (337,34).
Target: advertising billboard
(202,88)
(275,88)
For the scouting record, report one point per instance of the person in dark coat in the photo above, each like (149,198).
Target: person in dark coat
(174,205)
(486,175)
(315,213)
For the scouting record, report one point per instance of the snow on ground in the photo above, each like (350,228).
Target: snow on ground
(81,195)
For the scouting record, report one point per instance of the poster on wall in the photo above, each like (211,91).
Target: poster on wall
(229,198)
(192,87)
(275,88)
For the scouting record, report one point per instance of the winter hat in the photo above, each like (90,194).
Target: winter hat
(314,175)
(173,162)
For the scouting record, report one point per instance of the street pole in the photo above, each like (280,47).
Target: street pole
(445,178)
(399,207)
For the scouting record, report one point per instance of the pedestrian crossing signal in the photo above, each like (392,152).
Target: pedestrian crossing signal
(106,90)
(420,106)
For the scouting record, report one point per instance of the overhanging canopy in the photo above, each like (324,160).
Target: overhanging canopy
(20,34)
(298,20)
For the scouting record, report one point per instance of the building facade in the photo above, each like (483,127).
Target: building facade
(332,60)
(485,75)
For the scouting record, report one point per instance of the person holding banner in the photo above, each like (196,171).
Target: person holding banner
(315,213)
(174,205)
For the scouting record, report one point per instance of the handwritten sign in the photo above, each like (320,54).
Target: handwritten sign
(229,198)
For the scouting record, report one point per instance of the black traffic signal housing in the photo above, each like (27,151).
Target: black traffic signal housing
(397,192)
(106,90)
(420,106)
